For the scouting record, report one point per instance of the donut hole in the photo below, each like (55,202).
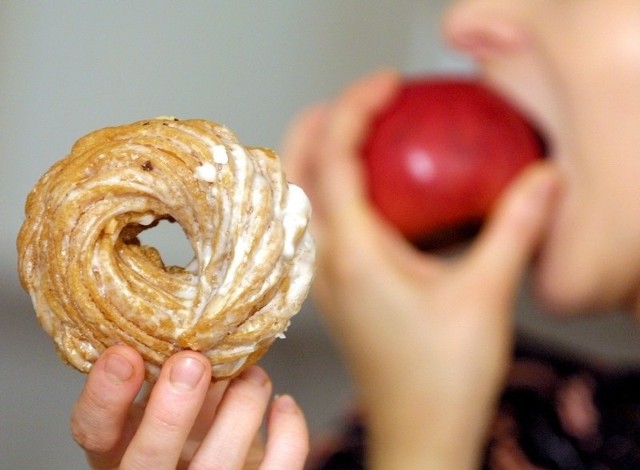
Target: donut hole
(170,241)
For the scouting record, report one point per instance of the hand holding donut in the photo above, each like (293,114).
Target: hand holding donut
(116,311)
(187,421)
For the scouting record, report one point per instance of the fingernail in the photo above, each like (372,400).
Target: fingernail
(186,373)
(255,375)
(286,403)
(546,183)
(117,368)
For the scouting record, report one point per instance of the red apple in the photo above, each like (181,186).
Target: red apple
(439,156)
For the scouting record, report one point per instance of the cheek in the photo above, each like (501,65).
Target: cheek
(562,270)
(590,259)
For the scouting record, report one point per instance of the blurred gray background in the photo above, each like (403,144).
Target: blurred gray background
(69,67)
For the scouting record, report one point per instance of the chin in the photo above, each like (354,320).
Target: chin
(565,293)
(554,300)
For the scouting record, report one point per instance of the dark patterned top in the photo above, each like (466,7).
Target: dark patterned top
(554,413)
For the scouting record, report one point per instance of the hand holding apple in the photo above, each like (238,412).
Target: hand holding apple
(439,156)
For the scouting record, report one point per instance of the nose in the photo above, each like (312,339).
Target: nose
(483,28)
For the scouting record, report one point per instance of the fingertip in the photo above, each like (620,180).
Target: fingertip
(120,364)
(288,435)
(252,386)
(117,376)
(341,176)
(542,173)
(171,411)
(300,144)
(187,370)
(384,79)
(256,375)
(529,198)
(286,417)
(314,114)
(366,97)
(303,128)
(98,416)
(242,410)
(286,404)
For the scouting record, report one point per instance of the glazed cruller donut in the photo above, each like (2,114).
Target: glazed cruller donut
(93,284)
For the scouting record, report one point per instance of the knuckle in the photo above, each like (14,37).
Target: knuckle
(200,464)
(98,402)
(89,438)
(348,266)
(143,459)
(245,394)
(90,427)
(166,421)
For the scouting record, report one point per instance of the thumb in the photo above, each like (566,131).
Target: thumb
(501,254)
